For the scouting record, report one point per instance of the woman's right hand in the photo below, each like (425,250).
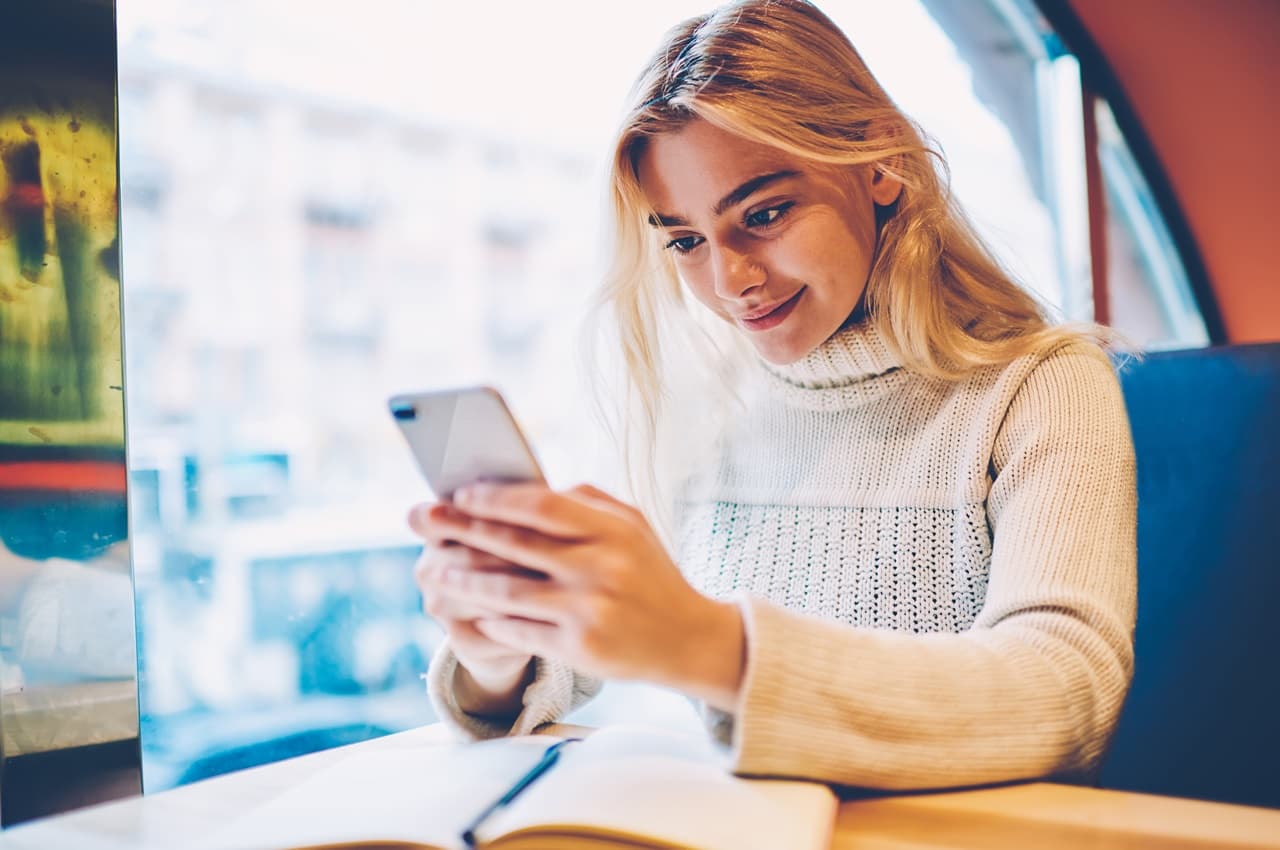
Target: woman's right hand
(495,674)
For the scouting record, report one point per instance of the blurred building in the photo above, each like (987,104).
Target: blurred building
(291,260)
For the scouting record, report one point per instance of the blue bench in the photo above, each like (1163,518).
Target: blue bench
(1203,716)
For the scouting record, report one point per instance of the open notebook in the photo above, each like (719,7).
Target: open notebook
(623,787)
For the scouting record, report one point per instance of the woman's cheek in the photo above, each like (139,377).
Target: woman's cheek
(695,279)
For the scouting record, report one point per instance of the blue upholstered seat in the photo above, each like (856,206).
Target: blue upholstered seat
(1203,716)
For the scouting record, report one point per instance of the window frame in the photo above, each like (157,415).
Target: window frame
(1099,80)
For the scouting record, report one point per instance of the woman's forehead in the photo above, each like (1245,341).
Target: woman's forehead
(701,144)
(701,161)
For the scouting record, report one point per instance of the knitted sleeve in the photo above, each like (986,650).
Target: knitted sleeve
(555,691)
(1035,687)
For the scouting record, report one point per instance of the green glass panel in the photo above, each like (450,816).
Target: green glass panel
(67,658)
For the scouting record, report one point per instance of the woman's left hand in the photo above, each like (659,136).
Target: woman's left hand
(613,605)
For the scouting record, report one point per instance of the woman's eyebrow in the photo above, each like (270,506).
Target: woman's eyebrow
(751,186)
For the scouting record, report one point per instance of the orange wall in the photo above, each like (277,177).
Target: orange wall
(1203,78)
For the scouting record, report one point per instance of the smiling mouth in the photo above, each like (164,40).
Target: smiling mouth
(760,314)
(773,316)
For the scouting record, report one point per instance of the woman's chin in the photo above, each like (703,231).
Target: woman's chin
(783,351)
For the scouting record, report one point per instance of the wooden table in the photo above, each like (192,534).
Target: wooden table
(1045,816)
(1037,816)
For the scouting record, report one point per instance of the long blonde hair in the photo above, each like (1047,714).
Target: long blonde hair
(781,73)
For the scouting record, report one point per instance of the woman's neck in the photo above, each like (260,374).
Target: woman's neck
(855,353)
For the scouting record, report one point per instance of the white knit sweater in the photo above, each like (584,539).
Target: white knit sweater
(937,578)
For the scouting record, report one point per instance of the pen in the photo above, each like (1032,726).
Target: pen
(549,757)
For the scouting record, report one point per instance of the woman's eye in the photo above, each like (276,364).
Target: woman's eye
(684,244)
(766,217)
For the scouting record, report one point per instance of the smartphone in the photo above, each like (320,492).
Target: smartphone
(461,436)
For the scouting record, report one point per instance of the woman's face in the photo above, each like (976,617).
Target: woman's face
(777,246)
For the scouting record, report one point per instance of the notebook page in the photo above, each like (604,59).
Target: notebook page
(421,795)
(675,787)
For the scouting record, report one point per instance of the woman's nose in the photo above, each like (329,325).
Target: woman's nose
(736,272)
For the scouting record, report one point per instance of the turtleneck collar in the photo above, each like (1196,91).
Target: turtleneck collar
(854,354)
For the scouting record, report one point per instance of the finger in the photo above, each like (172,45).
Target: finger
(439,556)
(594,492)
(532,506)
(519,546)
(437,560)
(593,495)
(532,636)
(416,518)
(461,557)
(440,604)
(465,635)
(443,608)
(424,516)
(438,524)
(506,594)
(476,650)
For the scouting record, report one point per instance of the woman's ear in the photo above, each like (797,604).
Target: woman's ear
(885,188)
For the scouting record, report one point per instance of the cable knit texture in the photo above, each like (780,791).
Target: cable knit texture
(937,577)
(555,691)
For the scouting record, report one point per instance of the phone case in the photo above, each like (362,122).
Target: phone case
(460,436)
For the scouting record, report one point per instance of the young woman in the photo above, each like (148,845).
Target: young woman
(907,560)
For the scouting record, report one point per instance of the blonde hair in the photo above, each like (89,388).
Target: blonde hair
(781,73)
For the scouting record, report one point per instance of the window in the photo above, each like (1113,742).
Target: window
(340,300)
(314,236)
(1151,298)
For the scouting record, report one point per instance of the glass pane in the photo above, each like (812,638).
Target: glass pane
(67,665)
(1007,97)
(1151,298)
(306,237)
